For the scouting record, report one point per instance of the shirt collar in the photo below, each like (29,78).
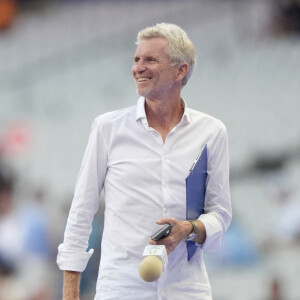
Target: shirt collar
(141,114)
(186,118)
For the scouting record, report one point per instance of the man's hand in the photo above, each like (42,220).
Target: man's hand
(180,230)
(71,285)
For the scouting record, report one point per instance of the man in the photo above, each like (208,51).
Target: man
(141,156)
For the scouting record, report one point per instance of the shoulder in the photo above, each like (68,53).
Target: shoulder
(198,117)
(115,117)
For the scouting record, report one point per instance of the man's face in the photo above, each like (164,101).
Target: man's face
(155,78)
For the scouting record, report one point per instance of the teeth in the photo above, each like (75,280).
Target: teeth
(143,79)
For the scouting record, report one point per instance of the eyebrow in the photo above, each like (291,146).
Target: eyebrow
(136,58)
(146,57)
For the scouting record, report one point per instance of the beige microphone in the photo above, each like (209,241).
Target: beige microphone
(154,262)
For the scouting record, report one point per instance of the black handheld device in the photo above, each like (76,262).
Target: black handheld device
(162,232)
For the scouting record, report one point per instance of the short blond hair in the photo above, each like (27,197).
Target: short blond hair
(181,49)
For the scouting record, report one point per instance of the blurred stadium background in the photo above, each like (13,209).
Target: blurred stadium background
(62,63)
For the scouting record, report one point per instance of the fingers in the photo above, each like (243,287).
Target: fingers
(173,239)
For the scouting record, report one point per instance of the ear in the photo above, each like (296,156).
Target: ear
(181,71)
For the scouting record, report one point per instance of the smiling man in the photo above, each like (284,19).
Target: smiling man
(141,156)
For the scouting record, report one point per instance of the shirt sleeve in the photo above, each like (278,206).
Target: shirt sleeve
(217,211)
(72,254)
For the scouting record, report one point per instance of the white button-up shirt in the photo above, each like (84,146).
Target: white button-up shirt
(144,180)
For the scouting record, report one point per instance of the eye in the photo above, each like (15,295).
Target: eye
(150,59)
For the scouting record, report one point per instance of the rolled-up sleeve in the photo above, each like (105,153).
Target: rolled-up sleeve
(217,211)
(73,260)
(72,253)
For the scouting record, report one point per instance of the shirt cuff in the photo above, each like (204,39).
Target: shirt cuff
(72,260)
(214,233)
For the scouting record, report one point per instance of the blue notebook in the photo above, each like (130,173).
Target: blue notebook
(195,193)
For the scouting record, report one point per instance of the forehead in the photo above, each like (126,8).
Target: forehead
(156,46)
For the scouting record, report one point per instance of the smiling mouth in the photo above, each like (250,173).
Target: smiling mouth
(143,79)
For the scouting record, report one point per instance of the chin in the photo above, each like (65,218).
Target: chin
(145,93)
(142,93)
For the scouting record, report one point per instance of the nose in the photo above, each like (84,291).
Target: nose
(138,67)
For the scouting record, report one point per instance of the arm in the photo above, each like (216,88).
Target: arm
(217,211)
(71,285)
(72,253)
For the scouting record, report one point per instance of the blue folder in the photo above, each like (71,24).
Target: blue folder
(195,193)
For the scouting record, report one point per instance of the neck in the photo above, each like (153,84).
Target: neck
(163,115)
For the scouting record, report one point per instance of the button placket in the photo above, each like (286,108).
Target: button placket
(165,173)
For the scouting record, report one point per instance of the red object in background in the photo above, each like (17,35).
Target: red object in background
(275,290)
(16,139)
(8,10)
